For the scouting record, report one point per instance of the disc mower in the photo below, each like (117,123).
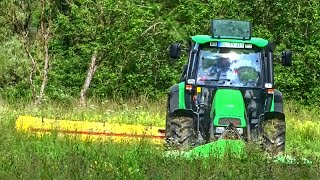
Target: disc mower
(227,91)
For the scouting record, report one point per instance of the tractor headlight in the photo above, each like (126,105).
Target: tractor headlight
(220,130)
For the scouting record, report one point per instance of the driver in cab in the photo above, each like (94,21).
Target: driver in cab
(226,68)
(222,65)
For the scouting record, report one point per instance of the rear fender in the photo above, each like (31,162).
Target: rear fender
(267,116)
(183,112)
(178,98)
(272,115)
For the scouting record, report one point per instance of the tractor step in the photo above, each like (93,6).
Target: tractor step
(90,130)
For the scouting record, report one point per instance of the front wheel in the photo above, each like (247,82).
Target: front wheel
(181,133)
(274,136)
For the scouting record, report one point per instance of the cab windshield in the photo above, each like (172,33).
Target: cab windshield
(229,67)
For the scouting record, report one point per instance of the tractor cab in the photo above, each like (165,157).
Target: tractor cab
(227,83)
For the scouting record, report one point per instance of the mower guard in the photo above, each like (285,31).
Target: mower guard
(225,148)
(217,149)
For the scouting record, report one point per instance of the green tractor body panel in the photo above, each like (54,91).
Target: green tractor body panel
(272,104)
(182,102)
(228,105)
(202,39)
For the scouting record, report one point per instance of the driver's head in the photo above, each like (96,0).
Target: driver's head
(223,62)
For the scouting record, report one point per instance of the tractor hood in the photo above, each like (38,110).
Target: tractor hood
(228,107)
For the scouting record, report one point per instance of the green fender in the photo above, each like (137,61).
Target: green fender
(179,99)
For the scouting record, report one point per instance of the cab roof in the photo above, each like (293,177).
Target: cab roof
(202,39)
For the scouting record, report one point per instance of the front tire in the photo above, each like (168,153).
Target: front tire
(181,133)
(274,136)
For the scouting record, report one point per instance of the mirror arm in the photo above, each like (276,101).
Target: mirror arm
(277,56)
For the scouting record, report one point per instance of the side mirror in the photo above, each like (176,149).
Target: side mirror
(286,58)
(175,51)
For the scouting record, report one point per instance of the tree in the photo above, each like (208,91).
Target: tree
(24,18)
(91,70)
(45,30)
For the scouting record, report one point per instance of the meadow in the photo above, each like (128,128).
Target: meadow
(129,40)
(52,157)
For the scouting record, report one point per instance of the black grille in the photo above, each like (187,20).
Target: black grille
(228,121)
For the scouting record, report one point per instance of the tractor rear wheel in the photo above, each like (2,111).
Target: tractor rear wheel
(181,132)
(273,134)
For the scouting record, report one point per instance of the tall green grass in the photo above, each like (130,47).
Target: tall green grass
(51,157)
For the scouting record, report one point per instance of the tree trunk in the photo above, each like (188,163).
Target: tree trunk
(92,69)
(45,70)
(32,65)
(45,34)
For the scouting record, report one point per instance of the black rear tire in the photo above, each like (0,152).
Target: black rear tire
(274,136)
(181,133)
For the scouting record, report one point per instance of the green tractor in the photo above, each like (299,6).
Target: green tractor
(227,90)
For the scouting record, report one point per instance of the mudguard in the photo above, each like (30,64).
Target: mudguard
(272,115)
(178,99)
(277,101)
(269,116)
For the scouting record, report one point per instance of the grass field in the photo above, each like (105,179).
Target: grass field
(23,157)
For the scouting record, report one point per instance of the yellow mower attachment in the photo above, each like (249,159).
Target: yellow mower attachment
(90,130)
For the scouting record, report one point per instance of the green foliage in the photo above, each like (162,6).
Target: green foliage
(130,43)
(131,40)
(248,74)
(13,63)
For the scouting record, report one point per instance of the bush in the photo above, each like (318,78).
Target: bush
(132,38)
